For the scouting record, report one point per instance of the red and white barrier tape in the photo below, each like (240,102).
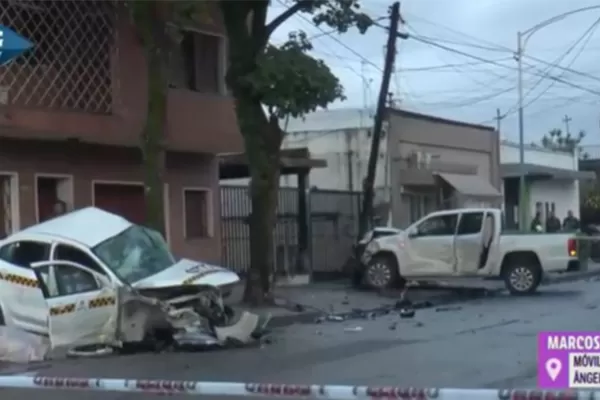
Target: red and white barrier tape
(331,392)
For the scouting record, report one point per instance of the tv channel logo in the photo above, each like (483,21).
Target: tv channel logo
(12,45)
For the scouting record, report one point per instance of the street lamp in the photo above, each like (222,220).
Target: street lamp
(522,38)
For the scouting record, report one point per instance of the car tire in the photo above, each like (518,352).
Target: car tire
(381,273)
(521,279)
(2,323)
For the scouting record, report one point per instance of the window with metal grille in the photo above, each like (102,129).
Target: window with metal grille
(196,213)
(69,66)
(201,63)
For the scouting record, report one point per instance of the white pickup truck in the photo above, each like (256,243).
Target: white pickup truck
(466,242)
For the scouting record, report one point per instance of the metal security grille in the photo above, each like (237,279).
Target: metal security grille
(69,67)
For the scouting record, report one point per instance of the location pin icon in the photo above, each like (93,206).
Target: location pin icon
(553,367)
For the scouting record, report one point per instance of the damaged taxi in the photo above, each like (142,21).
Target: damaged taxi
(93,278)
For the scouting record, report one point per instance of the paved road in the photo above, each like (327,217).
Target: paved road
(486,343)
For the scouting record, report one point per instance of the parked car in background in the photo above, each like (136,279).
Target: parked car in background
(466,243)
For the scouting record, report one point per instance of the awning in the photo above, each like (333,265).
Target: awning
(470,185)
(513,170)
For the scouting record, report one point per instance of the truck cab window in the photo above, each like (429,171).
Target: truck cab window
(440,225)
(25,252)
(470,223)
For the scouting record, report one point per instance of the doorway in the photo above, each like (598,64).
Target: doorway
(49,189)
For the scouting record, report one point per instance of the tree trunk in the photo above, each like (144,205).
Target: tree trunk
(262,143)
(149,18)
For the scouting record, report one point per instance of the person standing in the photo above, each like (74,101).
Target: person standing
(59,208)
(570,223)
(552,223)
(536,223)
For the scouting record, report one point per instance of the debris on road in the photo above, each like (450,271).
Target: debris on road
(353,329)
(407,313)
(17,346)
(448,308)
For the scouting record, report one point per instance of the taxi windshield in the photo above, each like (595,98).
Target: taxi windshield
(135,253)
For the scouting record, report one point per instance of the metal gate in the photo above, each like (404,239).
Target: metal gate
(333,228)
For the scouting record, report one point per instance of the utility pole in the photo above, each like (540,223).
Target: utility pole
(366,211)
(499,118)
(566,120)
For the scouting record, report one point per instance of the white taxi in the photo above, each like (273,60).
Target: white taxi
(64,277)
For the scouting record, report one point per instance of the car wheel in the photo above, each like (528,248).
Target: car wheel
(522,279)
(381,273)
(2,323)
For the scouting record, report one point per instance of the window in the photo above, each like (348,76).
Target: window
(196,213)
(24,253)
(440,225)
(202,61)
(69,253)
(71,280)
(470,223)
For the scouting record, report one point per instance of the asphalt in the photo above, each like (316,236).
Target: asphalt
(488,343)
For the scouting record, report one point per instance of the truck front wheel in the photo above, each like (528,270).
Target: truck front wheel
(382,272)
(522,279)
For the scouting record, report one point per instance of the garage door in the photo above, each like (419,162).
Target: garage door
(125,200)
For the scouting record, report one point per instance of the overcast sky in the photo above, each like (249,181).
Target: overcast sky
(469,89)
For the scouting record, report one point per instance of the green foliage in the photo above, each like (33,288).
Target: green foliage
(556,140)
(291,83)
(592,200)
(285,78)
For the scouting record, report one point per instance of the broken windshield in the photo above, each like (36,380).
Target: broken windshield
(135,253)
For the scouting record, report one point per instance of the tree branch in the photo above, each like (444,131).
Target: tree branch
(284,16)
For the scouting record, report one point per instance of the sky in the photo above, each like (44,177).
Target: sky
(472,86)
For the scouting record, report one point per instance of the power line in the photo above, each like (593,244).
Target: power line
(446,66)
(499,47)
(585,38)
(452,50)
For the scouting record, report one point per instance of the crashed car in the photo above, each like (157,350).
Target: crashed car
(93,278)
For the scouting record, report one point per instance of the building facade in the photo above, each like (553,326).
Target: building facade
(552,182)
(439,163)
(72,110)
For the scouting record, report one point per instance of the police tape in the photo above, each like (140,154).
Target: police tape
(236,389)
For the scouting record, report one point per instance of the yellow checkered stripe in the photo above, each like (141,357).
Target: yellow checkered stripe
(102,302)
(193,278)
(20,280)
(60,310)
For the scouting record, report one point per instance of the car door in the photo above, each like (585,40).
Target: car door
(469,242)
(83,309)
(23,304)
(429,248)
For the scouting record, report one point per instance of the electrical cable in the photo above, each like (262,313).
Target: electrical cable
(585,38)
(500,47)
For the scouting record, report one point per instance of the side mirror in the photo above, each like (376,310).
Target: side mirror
(413,234)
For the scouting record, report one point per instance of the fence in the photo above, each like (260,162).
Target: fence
(333,227)
(241,389)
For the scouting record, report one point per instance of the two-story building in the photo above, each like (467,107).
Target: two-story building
(72,110)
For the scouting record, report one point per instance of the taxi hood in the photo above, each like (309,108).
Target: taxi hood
(188,272)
